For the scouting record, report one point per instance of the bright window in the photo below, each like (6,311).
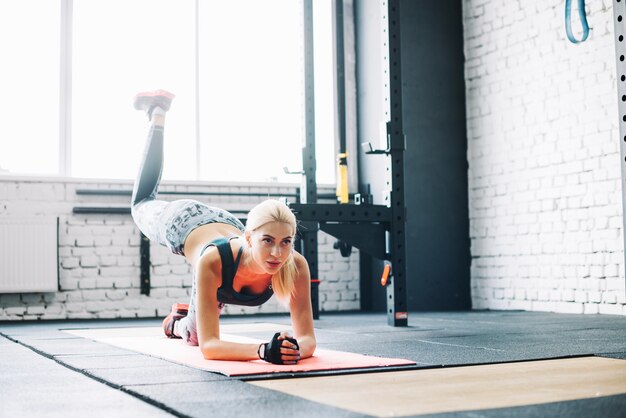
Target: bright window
(29,82)
(236,69)
(150,45)
(252,90)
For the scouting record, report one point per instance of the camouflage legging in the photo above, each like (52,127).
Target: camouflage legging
(168,223)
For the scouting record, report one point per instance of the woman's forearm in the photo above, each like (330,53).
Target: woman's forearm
(225,350)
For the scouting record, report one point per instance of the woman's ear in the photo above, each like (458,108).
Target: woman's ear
(248,236)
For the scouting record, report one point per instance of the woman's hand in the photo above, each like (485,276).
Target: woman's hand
(289,348)
(282,349)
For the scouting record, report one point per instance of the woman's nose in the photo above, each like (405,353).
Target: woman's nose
(276,250)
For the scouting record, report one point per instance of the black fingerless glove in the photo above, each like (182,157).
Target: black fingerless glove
(271,350)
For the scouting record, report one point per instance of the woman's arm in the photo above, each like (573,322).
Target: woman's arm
(301,309)
(208,280)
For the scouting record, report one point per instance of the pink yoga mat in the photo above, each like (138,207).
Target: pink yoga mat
(151,341)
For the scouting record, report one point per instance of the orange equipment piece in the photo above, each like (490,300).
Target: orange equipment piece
(385,278)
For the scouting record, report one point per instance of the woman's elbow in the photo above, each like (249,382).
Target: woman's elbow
(210,350)
(309,347)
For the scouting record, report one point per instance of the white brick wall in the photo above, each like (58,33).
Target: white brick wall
(99,255)
(544,163)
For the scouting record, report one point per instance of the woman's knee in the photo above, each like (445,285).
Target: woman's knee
(137,212)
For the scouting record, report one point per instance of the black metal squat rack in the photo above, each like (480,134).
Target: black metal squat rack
(378,230)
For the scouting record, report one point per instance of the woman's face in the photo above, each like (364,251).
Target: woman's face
(271,245)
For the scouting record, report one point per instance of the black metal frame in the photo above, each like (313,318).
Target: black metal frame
(619,14)
(144,265)
(378,230)
(396,290)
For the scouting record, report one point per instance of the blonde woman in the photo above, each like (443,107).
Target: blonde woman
(232,264)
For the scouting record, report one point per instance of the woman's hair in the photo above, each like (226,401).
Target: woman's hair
(283,282)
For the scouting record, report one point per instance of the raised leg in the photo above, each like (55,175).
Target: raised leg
(155,104)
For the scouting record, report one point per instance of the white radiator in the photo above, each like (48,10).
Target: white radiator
(28,255)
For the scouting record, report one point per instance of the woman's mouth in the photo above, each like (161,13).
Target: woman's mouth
(273,264)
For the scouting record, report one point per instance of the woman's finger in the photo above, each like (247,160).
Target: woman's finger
(283,335)
(289,351)
(288,344)
(287,359)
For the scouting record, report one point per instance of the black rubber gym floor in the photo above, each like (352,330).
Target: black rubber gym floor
(46,372)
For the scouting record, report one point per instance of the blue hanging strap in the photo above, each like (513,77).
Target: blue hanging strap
(583,21)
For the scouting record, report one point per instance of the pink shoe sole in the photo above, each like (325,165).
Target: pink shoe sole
(179,311)
(147,101)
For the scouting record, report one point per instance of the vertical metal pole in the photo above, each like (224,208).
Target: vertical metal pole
(199,150)
(340,103)
(619,15)
(65,87)
(340,85)
(144,268)
(308,189)
(397,314)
